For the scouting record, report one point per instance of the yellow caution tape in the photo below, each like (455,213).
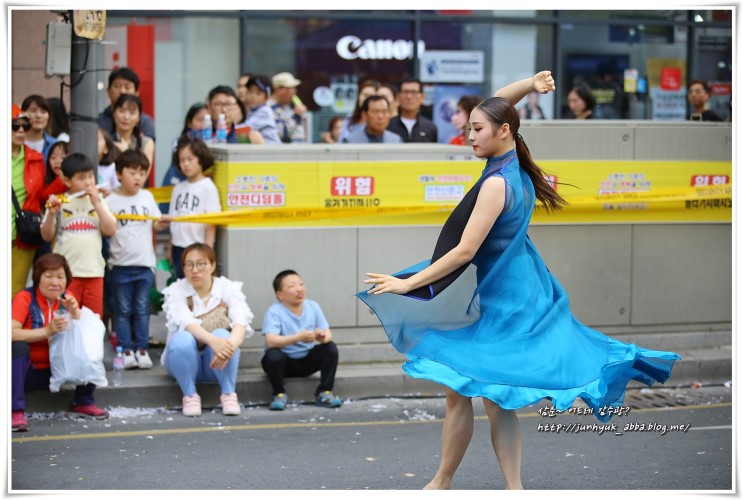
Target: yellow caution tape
(666,200)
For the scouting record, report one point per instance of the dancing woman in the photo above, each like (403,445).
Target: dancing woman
(513,341)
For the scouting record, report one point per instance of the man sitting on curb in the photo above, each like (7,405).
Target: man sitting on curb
(298,342)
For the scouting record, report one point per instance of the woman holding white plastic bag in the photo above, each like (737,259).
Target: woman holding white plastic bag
(36,319)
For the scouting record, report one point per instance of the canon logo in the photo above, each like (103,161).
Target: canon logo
(352,47)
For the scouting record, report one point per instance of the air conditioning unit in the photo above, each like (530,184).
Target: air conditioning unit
(58,48)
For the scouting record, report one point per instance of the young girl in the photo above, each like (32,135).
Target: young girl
(53,181)
(516,341)
(196,195)
(107,154)
(127,112)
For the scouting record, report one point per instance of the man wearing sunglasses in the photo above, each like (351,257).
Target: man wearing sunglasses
(27,182)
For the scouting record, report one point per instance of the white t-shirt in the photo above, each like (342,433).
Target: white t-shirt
(132,245)
(409,124)
(191,198)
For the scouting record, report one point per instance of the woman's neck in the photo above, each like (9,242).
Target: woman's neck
(15,149)
(34,135)
(125,135)
(585,114)
(205,289)
(504,150)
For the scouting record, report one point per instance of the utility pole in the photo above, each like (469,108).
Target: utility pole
(83,109)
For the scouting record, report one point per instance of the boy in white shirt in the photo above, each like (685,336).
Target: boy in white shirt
(132,257)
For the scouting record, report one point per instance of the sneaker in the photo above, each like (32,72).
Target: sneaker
(129,360)
(143,359)
(91,411)
(230,405)
(328,400)
(18,421)
(278,403)
(192,405)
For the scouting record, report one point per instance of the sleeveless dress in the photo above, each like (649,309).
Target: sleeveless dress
(513,339)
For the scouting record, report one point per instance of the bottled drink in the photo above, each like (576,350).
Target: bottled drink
(206,130)
(221,129)
(119,367)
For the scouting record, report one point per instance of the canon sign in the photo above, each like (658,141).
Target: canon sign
(352,47)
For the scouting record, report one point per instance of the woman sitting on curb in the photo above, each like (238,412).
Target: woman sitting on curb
(207,319)
(34,323)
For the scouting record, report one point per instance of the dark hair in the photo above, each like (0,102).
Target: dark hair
(58,117)
(40,102)
(500,111)
(373,98)
(192,111)
(584,92)
(221,89)
(333,121)
(412,80)
(132,158)
(469,102)
(280,277)
(48,262)
(392,87)
(704,85)
(122,101)
(198,148)
(356,115)
(75,163)
(260,81)
(203,248)
(113,151)
(50,175)
(125,74)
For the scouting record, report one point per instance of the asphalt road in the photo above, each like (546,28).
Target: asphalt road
(381,444)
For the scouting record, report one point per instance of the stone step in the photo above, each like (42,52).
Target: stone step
(155,388)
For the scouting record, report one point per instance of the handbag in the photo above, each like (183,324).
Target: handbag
(215,319)
(76,355)
(27,224)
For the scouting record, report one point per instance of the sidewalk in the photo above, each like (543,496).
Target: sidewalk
(369,368)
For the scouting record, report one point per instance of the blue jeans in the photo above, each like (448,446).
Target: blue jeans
(188,365)
(130,290)
(176,254)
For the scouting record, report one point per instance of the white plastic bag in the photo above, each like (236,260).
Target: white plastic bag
(76,355)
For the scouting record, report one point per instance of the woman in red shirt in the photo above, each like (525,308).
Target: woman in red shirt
(34,322)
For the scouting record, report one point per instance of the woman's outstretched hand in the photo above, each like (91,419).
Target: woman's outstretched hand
(384,283)
(543,82)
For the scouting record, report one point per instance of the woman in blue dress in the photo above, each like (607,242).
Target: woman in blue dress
(513,341)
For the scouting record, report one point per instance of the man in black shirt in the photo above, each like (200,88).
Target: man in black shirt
(409,124)
(698,93)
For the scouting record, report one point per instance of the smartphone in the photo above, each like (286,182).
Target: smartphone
(697,117)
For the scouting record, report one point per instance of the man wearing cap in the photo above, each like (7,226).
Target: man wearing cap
(124,81)
(288,109)
(27,182)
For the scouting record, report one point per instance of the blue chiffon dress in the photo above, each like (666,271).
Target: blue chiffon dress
(513,339)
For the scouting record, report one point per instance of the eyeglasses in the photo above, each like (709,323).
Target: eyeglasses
(410,92)
(200,265)
(26,126)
